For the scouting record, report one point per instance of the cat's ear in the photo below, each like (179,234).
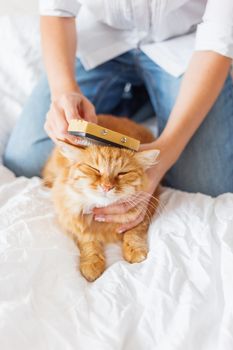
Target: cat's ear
(70,152)
(147,158)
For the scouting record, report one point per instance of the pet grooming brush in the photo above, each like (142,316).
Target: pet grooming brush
(93,134)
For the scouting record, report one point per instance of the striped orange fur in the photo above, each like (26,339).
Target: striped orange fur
(82,179)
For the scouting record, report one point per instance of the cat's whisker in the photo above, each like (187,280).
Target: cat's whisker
(131,202)
(156,199)
(158,208)
(139,212)
(152,205)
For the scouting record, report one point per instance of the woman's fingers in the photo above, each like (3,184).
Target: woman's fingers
(50,132)
(119,208)
(132,224)
(71,108)
(89,113)
(131,216)
(57,119)
(76,105)
(109,218)
(123,206)
(55,124)
(129,213)
(62,110)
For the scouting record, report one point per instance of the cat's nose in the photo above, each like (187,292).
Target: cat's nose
(107,187)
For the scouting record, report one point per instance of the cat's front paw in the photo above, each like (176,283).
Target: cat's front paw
(135,255)
(92,269)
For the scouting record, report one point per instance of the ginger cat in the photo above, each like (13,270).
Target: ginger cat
(96,176)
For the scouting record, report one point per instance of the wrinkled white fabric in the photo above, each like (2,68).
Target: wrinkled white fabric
(180,298)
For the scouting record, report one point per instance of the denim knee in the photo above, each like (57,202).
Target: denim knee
(17,162)
(27,161)
(206,165)
(28,146)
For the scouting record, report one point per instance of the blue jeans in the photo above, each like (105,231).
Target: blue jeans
(206,165)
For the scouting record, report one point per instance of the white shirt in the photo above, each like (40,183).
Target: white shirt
(168,31)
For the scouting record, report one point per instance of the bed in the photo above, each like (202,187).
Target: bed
(180,298)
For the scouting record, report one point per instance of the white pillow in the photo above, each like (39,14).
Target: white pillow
(20,68)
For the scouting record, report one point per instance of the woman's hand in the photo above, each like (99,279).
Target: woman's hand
(67,106)
(139,202)
(116,212)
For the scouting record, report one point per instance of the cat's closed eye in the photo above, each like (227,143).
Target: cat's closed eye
(129,172)
(91,167)
(123,173)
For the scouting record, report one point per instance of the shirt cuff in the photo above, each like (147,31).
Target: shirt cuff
(215,37)
(59,8)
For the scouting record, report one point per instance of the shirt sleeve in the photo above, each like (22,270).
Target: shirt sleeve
(215,33)
(60,8)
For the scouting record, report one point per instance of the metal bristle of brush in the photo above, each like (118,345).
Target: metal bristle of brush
(86,142)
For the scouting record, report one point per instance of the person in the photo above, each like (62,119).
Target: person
(180,51)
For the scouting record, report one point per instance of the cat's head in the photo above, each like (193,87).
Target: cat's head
(106,174)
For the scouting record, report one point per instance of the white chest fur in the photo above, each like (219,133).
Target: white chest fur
(79,203)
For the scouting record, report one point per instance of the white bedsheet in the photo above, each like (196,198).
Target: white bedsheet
(180,298)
